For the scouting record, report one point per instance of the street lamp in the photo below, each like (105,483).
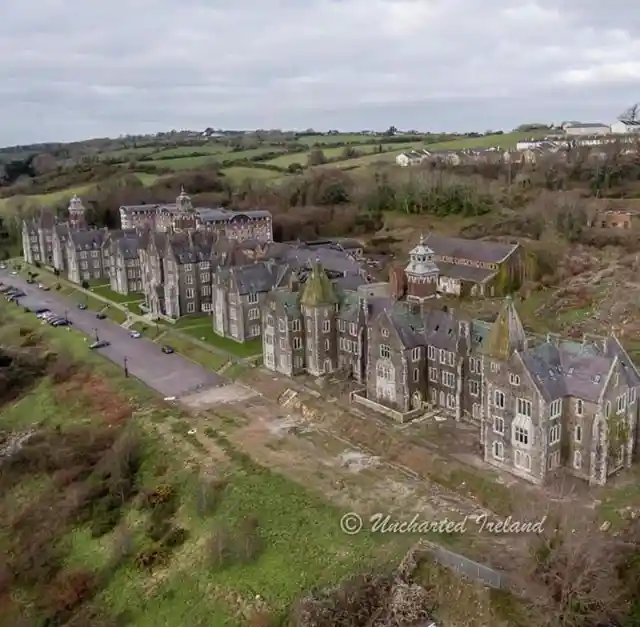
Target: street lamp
(66,315)
(126,370)
(96,332)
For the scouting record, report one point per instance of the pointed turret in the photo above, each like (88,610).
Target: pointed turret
(318,290)
(507,333)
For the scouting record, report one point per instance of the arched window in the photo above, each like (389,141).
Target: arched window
(577,460)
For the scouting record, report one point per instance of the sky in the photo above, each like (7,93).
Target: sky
(74,70)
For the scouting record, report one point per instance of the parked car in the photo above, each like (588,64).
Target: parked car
(60,322)
(101,316)
(135,334)
(82,306)
(167,350)
(15,273)
(99,344)
(43,287)
(3,267)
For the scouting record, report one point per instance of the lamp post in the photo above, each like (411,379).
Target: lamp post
(96,332)
(126,369)
(66,315)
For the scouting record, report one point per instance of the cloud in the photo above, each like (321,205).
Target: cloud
(72,70)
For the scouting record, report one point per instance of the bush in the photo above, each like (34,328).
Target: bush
(241,546)
(66,593)
(147,559)
(209,494)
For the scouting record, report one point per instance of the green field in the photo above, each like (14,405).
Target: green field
(53,197)
(238,174)
(129,153)
(347,138)
(276,538)
(506,141)
(213,148)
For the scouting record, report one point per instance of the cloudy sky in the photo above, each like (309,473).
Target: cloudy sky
(72,70)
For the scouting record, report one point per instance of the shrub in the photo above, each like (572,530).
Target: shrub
(147,559)
(66,593)
(209,494)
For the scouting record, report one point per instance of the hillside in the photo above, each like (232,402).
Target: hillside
(118,509)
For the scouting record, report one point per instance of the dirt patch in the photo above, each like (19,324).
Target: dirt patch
(98,394)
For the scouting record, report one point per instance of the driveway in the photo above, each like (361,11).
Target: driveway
(170,375)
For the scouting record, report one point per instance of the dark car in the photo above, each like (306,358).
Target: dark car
(82,306)
(101,316)
(60,322)
(41,310)
(99,344)
(167,350)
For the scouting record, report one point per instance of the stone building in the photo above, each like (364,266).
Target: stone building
(459,267)
(122,250)
(540,404)
(182,215)
(86,260)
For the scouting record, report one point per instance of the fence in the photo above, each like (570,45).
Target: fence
(464,566)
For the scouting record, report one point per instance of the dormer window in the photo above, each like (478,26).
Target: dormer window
(385,332)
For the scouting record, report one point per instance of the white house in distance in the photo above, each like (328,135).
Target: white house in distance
(625,127)
(585,128)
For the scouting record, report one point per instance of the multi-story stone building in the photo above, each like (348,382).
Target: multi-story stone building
(238,294)
(86,259)
(540,404)
(187,273)
(121,248)
(182,215)
(44,238)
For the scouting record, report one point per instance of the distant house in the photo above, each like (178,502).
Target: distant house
(586,128)
(625,127)
(412,157)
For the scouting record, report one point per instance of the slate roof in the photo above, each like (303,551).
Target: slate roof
(192,247)
(330,258)
(258,277)
(567,368)
(128,247)
(465,273)
(87,239)
(473,249)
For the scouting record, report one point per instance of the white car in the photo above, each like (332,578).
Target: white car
(14,272)
(135,334)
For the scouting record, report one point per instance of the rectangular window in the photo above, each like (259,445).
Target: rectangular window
(187,267)
(297,343)
(495,366)
(295,325)
(283,344)
(448,379)
(554,460)
(206,290)
(326,326)
(523,407)
(431,352)
(556,408)
(254,330)
(252,298)
(498,450)
(269,320)
(342,325)
(499,399)
(451,358)
(554,434)
(385,351)
(474,365)
(188,279)
(522,460)
(353,330)
(579,407)
(474,387)
(577,433)
(632,396)
(415,354)
(443,356)
(498,425)
(514,379)
(282,325)
(451,401)
(205,277)
(433,375)
(191,307)
(416,374)
(521,435)
(254,313)
(190,293)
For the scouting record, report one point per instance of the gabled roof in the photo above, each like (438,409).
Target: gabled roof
(507,334)
(473,249)
(259,277)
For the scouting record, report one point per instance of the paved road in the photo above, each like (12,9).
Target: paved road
(170,375)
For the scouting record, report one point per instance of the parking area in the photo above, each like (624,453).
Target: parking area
(170,375)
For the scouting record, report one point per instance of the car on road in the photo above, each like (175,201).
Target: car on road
(167,350)
(15,295)
(41,311)
(99,344)
(58,322)
(101,316)
(3,267)
(135,334)
(82,306)
(43,287)
(15,273)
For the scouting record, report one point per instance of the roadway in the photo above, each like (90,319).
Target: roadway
(170,375)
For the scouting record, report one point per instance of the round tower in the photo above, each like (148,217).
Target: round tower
(77,219)
(422,273)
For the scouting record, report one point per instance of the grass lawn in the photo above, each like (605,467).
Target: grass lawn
(185,163)
(107,292)
(145,178)
(347,138)
(207,334)
(213,148)
(53,197)
(505,140)
(190,350)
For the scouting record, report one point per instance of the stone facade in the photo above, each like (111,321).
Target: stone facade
(182,216)
(540,404)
